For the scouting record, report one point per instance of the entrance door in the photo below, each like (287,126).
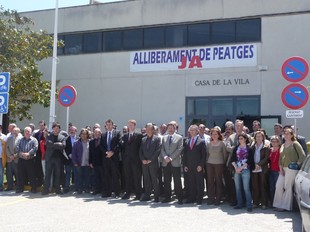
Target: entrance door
(215,111)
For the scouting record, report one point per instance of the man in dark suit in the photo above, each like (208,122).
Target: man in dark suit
(172,146)
(130,145)
(109,145)
(193,161)
(95,162)
(71,139)
(149,152)
(55,145)
(38,158)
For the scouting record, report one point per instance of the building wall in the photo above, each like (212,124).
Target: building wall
(107,89)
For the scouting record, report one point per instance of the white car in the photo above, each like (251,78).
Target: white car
(302,193)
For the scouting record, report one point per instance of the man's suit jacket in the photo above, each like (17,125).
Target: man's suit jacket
(196,156)
(130,149)
(11,147)
(173,150)
(150,150)
(68,149)
(115,144)
(95,154)
(54,150)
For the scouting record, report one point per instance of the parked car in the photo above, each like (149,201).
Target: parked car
(302,193)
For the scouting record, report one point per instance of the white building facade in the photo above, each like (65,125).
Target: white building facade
(189,61)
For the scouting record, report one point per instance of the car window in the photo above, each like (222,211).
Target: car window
(306,166)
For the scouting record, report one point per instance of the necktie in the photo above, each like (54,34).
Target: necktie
(192,143)
(109,141)
(130,138)
(170,139)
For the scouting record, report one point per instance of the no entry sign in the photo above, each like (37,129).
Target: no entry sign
(295,69)
(295,96)
(67,95)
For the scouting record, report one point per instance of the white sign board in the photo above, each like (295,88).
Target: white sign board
(225,56)
(294,114)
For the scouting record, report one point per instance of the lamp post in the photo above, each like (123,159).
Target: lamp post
(54,69)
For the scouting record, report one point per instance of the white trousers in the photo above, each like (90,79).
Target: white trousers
(283,197)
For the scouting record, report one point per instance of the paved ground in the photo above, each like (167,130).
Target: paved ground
(32,212)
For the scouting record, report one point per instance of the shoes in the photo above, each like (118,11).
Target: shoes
(156,200)
(217,203)
(66,190)
(79,192)
(210,202)
(137,198)
(180,202)
(189,201)
(255,206)
(126,196)
(8,189)
(264,207)
(116,196)
(166,200)
(145,198)
(249,209)
(33,191)
(59,192)
(105,195)
(237,207)
(199,203)
(95,192)
(19,191)
(279,210)
(43,193)
(233,203)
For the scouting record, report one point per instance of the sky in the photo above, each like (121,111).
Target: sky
(31,5)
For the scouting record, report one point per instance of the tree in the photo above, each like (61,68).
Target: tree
(21,49)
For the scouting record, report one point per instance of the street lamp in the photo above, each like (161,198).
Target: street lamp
(54,69)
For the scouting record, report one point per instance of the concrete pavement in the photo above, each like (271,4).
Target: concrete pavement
(33,212)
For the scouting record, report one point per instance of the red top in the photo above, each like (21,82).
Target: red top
(274,160)
(42,148)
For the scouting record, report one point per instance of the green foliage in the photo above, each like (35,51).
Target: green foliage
(21,49)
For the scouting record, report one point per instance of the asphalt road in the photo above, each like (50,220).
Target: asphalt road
(33,212)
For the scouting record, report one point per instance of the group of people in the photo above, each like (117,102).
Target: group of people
(234,165)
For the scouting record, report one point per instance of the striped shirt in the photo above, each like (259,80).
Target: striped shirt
(27,146)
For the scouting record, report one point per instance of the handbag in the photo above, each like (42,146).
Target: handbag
(293,166)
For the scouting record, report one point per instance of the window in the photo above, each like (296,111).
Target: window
(199,34)
(154,37)
(176,36)
(223,32)
(112,41)
(183,35)
(60,50)
(248,30)
(222,106)
(73,44)
(92,42)
(247,106)
(133,39)
(201,106)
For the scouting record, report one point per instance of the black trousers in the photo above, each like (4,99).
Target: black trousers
(229,189)
(26,168)
(133,177)
(99,179)
(38,171)
(195,185)
(54,164)
(175,172)
(111,176)
(150,176)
